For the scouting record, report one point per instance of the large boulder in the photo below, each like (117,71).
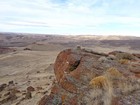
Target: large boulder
(76,68)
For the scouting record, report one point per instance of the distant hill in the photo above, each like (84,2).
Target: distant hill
(25,39)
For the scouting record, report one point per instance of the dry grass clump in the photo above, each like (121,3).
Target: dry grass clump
(63,98)
(113,72)
(124,61)
(98,82)
(125,56)
(105,81)
(102,88)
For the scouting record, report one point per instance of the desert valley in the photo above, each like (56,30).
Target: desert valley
(90,70)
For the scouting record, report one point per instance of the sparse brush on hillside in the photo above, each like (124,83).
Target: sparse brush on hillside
(124,61)
(103,86)
(113,73)
(99,82)
(86,77)
(125,56)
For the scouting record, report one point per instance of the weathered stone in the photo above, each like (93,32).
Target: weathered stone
(2,87)
(72,66)
(11,82)
(137,55)
(6,94)
(135,70)
(137,75)
(28,95)
(111,57)
(30,89)
(12,96)
(75,68)
(102,59)
(115,52)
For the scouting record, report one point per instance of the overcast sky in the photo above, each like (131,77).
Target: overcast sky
(113,17)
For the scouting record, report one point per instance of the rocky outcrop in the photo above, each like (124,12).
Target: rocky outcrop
(30,89)
(137,55)
(4,50)
(77,70)
(2,87)
(26,49)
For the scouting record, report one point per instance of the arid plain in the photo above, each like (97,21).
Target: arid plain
(26,61)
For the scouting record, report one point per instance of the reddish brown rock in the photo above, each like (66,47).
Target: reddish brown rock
(74,69)
(28,95)
(137,75)
(115,101)
(58,96)
(52,99)
(74,101)
(2,87)
(30,89)
(64,62)
(74,65)
(136,71)
(137,55)
(43,100)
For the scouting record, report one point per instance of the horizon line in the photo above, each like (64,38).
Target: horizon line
(33,33)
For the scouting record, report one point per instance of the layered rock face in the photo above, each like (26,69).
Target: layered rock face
(85,77)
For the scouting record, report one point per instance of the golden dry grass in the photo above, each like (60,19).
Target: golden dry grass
(113,72)
(98,82)
(124,61)
(102,86)
(125,56)
(63,97)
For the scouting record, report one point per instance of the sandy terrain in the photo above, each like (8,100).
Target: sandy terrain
(28,68)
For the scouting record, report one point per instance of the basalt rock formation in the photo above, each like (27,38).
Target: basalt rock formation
(86,77)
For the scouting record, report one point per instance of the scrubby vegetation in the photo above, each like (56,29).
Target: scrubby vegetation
(125,56)
(114,73)
(95,78)
(107,85)
(124,61)
(98,82)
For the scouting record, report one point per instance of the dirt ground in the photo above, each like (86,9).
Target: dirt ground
(33,68)
(28,68)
